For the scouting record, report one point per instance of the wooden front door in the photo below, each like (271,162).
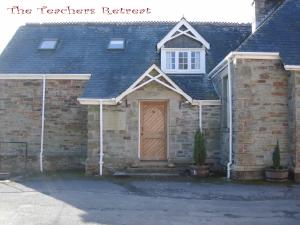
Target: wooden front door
(153,130)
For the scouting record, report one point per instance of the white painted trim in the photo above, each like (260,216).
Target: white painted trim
(47,76)
(182,49)
(292,67)
(200,117)
(183,22)
(168,122)
(163,60)
(206,102)
(135,86)
(95,101)
(243,55)
(229,164)
(256,55)
(43,124)
(100,137)
(139,130)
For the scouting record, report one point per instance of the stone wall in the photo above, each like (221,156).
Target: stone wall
(294,121)
(121,125)
(212,131)
(260,115)
(20,121)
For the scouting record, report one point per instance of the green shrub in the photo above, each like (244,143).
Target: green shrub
(199,148)
(276,157)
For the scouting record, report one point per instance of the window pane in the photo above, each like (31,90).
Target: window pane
(116,44)
(170,63)
(48,44)
(183,60)
(195,60)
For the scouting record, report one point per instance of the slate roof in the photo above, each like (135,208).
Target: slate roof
(82,48)
(199,86)
(279,33)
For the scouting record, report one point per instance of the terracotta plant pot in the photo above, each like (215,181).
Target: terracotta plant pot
(199,171)
(279,175)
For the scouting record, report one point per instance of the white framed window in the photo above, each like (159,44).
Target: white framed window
(170,60)
(195,60)
(183,60)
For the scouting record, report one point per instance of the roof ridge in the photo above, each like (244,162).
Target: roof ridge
(135,22)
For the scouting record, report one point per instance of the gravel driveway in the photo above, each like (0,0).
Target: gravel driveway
(71,199)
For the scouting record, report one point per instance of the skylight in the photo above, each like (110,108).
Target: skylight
(48,44)
(116,44)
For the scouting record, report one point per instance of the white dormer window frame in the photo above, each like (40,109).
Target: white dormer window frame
(176,31)
(183,60)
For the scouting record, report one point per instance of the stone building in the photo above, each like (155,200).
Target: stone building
(112,96)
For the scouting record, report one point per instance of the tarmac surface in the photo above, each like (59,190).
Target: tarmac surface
(63,199)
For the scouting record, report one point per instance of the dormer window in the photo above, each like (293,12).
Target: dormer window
(183,50)
(183,60)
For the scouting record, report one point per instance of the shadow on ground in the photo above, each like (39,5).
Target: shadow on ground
(72,198)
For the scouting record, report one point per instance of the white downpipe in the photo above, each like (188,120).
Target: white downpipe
(229,164)
(43,123)
(101,137)
(200,117)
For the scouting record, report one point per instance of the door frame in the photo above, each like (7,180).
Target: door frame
(139,124)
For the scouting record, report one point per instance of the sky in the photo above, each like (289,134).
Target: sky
(161,10)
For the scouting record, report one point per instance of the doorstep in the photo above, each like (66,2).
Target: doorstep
(4,175)
(148,169)
(143,174)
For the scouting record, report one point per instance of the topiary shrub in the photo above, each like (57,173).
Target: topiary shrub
(199,148)
(276,157)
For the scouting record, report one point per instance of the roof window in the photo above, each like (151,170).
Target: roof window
(48,44)
(116,44)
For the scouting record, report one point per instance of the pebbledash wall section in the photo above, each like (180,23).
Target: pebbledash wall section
(121,130)
(65,139)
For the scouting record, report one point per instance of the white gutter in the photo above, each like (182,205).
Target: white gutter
(206,102)
(22,76)
(229,164)
(292,67)
(243,55)
(101,137)
(43,123)
(94,101)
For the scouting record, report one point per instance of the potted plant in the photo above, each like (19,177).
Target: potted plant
(276,172)
(199,168)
